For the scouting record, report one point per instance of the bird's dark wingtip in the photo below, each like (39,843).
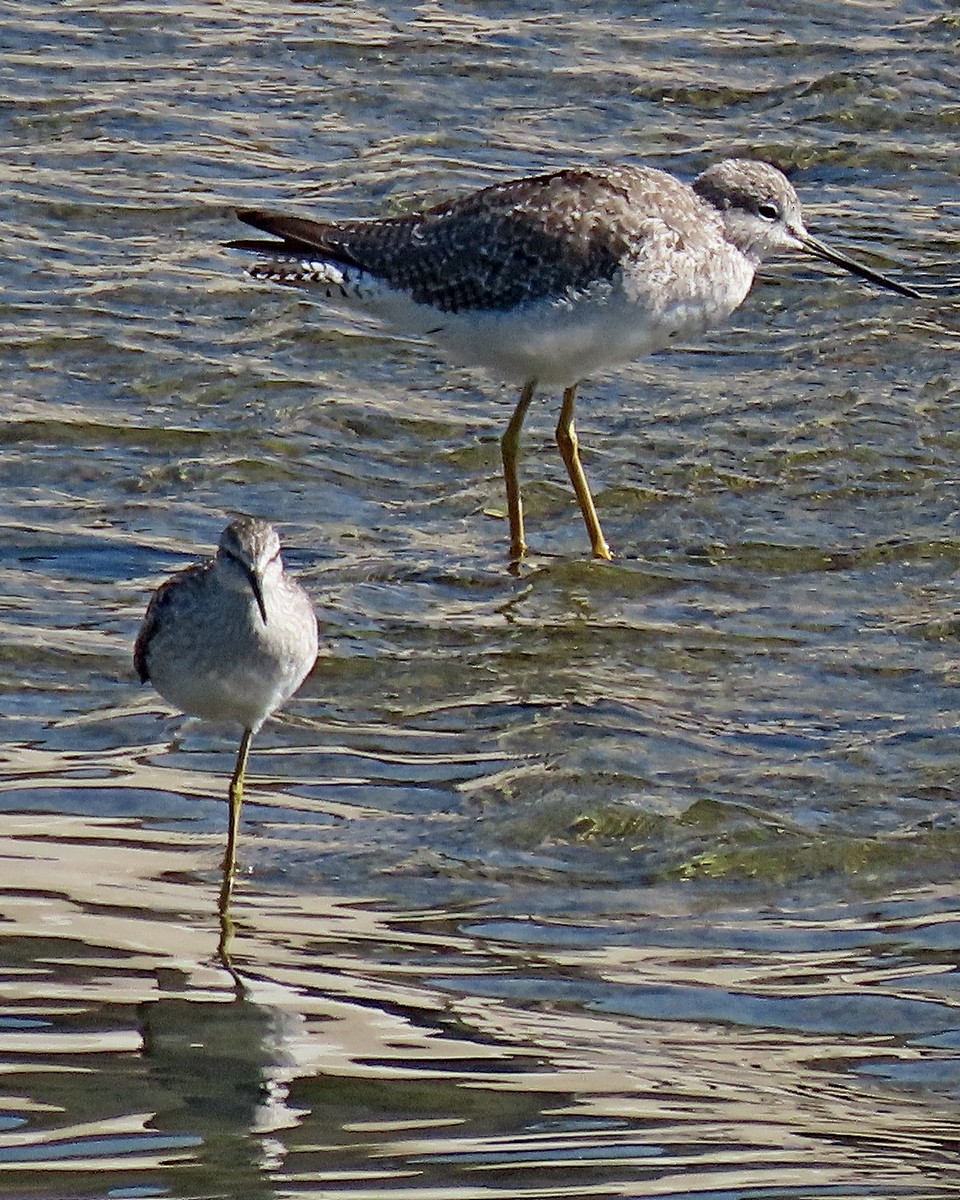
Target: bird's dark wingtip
(295,235)
(258,219)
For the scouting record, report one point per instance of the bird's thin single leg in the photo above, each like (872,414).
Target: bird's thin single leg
(224,952)
(570,453)
(509,452)
(236,801)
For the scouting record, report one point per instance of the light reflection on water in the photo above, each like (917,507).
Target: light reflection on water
(601,880)
(416,1050)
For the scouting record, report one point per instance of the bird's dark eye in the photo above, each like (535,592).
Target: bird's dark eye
(768,211)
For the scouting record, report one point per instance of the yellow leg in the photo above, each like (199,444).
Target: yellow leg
(509,451)
(224,952)
(570,453)
(226,925)
(236,801)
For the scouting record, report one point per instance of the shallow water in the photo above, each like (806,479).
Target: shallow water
(593,880)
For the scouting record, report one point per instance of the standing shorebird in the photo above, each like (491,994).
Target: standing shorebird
(548,279)
(230,640)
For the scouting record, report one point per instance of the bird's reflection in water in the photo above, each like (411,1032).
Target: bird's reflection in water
(223,1069)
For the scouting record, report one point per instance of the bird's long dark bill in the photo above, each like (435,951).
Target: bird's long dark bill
(257,588)
(819,250)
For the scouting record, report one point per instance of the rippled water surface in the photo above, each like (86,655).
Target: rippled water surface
(628,879)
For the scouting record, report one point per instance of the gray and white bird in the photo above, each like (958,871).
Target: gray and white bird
(230,640)
(547,279)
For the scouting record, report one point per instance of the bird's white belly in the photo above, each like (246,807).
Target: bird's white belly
(229,691)
(556,340)
(239,670)
(549,342)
